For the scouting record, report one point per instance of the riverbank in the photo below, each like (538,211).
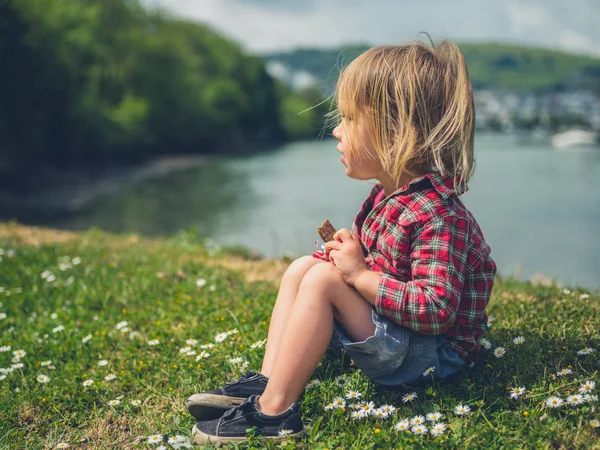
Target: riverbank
(103,337)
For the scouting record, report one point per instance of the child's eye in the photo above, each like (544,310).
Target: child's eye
(343,116)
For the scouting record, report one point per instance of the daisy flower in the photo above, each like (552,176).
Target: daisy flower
(490,321)
(209,345)
(153,342)
(517,392)
(313,383)
(584,296)
(367,407)
(519,340)
(499,352)
(136,402)
(155,439)
(258,344)
(351,395)
(339,402)
(428,371)
(564,372)
(5,348)
(201,283)
(185,349)
(19,353)
(234,331)
(554,402)
(419,429)
(357,415)
(434,416)
(221,337)
(3,316)
(403,425)
(379,413)
(86,338)
(62,445)
(102,363)
(202,355)
(121,325)
(409,397)
(340,380)
(191,342)
(58,329)
(45,363)
(87,383)
(389,409)
(42,379)
(462,410)
(574,400)
(595,423)
(286,432)
(585,351)
(417,420)
(329,406)
(110,377)
(114,402)
(587,387)
(437,429)
(487,344)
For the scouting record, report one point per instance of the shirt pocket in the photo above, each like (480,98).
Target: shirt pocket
(394,248)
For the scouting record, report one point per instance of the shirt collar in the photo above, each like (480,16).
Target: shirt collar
(442,183)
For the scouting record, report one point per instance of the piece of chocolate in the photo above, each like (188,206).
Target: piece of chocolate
(326,231)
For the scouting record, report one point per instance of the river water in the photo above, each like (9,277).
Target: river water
(539,208)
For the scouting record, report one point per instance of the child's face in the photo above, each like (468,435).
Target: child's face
(355,145)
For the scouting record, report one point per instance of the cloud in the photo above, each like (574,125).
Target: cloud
(266,25)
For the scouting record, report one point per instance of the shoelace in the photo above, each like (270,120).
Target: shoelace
(242,377)
(241,407)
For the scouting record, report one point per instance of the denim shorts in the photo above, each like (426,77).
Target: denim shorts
(395,355)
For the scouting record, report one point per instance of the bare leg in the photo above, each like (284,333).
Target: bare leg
(308,333)
(288,290)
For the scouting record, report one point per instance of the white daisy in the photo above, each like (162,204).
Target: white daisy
(209,345)
(517,392)
(5,348)
(86,338)
(428,371)
(19,354)
(388,409)
(2,377)
(313,383)
(554,402)
(587,387)
(114,402)
(42,379)
(341,380)
(417,420)
(221,337)
(202,355)
(76,261)
(574,400)
(201,282)
(585,351)
(45,363)
(234,331)
(486,344)
(178,441)
(3,316)
(87,383)
(595,423)
(110,377)
(121,325)
(490,321)
(155,439)
(409,397)
(58,329)
(462,410)
(62,445)
(367,407)
(379,413)
(185,349)
(356,415)
(518,340)
(584,296)
(352,395)
(258,344)
(329,406)
(564,372)
(102,362)
(285,432)
(153,342)
(437,429)
(499,352)
(434,416)
(339,402)
(136,402)
(17,366)
(402,425)
(419,429)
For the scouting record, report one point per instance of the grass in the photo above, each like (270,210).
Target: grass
(152,285)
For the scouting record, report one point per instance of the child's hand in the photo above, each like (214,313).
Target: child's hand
(347,255)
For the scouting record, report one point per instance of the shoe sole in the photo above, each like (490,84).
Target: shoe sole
(203,438)
(211,406)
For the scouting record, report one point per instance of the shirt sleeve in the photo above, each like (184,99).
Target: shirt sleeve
(429,302)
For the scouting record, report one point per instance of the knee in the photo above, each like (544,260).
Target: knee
(299,267)
(322,277)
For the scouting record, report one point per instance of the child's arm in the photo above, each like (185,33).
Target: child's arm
(428,303)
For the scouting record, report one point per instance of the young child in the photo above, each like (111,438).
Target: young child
(404,292)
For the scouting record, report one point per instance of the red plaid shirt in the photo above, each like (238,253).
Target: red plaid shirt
(437,270)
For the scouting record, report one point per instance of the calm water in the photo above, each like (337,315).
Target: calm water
(539,208)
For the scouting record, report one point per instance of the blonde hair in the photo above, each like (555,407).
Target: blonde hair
(417,103)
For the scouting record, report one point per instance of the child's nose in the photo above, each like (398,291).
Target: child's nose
(337,133)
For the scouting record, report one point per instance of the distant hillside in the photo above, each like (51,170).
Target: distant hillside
(491,66)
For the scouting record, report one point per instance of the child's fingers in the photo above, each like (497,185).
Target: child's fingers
(343,235)
(332,245)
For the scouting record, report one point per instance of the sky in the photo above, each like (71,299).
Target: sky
(273,25)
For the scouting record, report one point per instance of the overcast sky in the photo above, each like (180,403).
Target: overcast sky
(266,25)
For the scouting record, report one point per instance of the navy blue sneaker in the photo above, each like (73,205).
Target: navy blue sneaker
(233,425)
(211,405)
